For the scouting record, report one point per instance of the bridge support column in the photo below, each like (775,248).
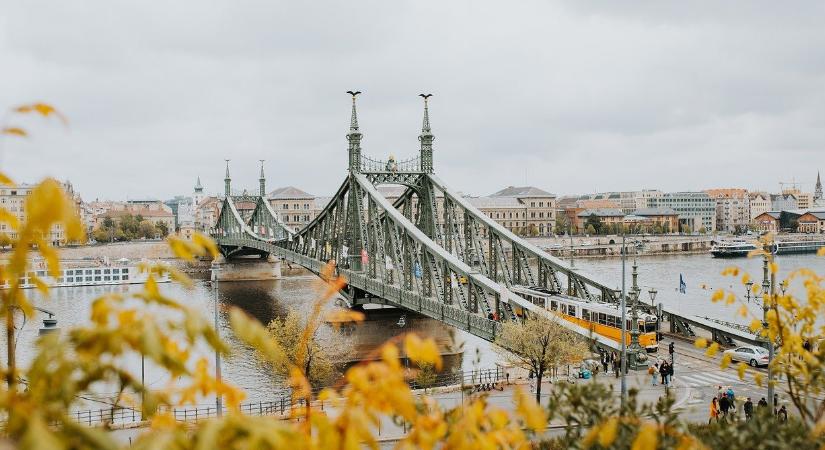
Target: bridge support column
(251,269)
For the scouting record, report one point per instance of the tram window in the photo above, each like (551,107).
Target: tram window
(602,318)
(585,314)
(650,327)
(571,310)
(553,305)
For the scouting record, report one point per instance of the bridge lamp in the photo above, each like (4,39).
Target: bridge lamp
(748,286)
(216,267)
(652,292)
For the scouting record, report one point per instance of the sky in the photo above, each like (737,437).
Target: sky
(569,96)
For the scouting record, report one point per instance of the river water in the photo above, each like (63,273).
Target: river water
(270,299)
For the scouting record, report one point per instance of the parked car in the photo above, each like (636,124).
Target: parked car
(751,354)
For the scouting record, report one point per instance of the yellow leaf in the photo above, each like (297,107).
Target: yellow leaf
(647,438)
(712,350)
(422,351)
(820,252)
(740,370)
(206,243)
(342,315)
(5,180)
(608,431)
(726,360)
(743,311)
(44,109)
(533,415)
(16,131)
(700,343)
(757,378)
(717,295)
(745,278)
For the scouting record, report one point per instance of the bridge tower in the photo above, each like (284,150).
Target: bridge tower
(354,245)
(426,138)
(262,181)
(227,187)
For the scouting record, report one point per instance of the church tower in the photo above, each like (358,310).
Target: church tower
(818,188)
(197,196)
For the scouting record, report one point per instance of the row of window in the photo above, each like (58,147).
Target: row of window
(81,279)
(296,218)
(295,206)
(104,271)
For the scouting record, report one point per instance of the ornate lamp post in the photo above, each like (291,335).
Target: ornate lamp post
(637,356)
(749,286)
(768,291)
(218,400)
(652,292)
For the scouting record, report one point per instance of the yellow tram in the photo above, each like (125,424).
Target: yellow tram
(600,318)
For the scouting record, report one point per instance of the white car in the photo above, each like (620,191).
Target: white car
(751,354)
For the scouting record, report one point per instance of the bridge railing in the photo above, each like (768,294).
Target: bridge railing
(376,165)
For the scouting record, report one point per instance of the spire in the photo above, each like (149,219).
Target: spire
(262,180)
(818,189)
(354,137)
(198,186)
(226,181)
(426,137)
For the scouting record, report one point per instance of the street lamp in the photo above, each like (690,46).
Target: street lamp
(749,286)
(652,292)
(768,291)
(218,400)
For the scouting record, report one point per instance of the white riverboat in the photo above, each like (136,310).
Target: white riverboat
(732,249)
(90,276)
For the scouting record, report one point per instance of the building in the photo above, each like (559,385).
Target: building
(539,208)
(206,213)
(783,202)
(664,219)
(767,221)
(760,202)
(599,204)
(296,207)
(604,216)
(811,222)
(13,199)
(732,209)
(697,210)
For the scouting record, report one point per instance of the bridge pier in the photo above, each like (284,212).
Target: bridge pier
(243,269)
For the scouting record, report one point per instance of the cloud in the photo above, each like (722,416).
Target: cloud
(568,96)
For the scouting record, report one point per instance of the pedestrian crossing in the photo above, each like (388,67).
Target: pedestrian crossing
(711,379)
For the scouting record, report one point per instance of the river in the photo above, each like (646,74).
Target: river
(270,299)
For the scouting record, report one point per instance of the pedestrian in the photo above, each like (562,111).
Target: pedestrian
(719,392)
(670,373)
(616,368)
(783,414)
(714,410)
(663,373)
(775,403)
(724,406)
(762,403)
(653,372)
(731,399)
(748,408)
(604,362)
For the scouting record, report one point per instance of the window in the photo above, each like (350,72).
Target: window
(88,278)
(70,279)
(285,206)
(97,278)
(553,305)
(125,277)
(541,204)
(107,278)
(106,271)
(97,272)
(532,204)
(306,205)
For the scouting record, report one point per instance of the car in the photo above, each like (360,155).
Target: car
(751,354)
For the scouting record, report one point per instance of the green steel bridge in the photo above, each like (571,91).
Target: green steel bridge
(430,251)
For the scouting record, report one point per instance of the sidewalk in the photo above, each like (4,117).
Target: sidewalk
(389,432)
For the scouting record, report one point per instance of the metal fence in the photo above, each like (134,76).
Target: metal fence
(476,380)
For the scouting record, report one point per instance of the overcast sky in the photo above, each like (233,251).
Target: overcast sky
(568,96)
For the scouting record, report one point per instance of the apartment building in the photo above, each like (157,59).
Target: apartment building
(732,209)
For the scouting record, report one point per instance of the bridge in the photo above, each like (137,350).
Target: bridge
(430,251)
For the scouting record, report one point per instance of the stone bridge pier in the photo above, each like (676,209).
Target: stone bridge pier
(249,269)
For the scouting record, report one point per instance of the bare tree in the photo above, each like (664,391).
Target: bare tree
(540,344)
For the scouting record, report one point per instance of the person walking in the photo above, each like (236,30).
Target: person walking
(724,406)
(653,371)
(605,358)
(732,400)
(714,411)
(669,374)
(783,414)
(748,408)
(762,404)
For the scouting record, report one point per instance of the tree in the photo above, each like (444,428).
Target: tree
(657,229)
(5,240)
(591,230)
(102,234)
(533,230)
(319,356)
(562,223)
(595,222)
(108,222)
(163,229)
(703,230)
(686,229)
(147,230)
(539,344)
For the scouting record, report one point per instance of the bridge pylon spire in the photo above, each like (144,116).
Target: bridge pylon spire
(426,138)
(262,179)
(227,187)
(354,137)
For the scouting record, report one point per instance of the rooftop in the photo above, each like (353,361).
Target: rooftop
(495,202)
(289,193)
(655,212)
(602,212)
(522,191)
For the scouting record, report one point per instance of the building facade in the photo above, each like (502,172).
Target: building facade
(296,207)
(697,210)
(760,202)
(13,199)
(812,222)
(733,212)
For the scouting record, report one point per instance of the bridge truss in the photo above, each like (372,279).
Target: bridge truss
(429,251)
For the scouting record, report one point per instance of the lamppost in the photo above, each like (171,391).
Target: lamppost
(749,286)
(623,365)
(652,292)
(637,355)
(218,400)
(570,234)
(768,291)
